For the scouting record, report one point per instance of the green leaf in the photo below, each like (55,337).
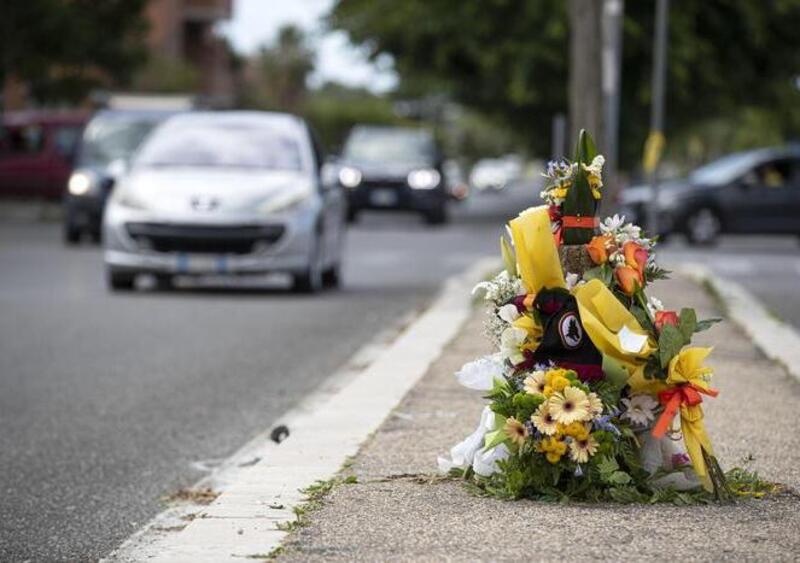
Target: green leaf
(670,342)
(607,466)
(615,372)
(641,316)
(494,439)
(618,478)
(508,257)
(579,200)
(705,324)
(687,324)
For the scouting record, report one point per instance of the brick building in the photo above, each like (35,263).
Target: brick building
(183,30)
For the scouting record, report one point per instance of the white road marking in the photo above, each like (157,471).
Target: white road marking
(325,430)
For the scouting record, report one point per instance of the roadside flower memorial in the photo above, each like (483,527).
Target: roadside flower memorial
(595,391)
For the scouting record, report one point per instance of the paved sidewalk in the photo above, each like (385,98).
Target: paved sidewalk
(399,511)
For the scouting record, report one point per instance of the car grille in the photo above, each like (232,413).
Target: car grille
(383,183)
(203,238)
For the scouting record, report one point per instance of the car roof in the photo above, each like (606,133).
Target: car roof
(45,117)
(153,114)
(279,120)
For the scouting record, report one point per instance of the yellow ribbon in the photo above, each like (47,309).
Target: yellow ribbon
(687,368)
(537,256)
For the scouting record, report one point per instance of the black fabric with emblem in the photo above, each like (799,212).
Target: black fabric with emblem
(556,309)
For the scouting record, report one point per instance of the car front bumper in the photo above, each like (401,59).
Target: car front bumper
(139,242)
(395,196)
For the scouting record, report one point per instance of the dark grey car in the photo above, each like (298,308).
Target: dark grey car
(753,192)
(108,143)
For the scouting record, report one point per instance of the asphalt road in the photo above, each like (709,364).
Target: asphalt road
(109,402)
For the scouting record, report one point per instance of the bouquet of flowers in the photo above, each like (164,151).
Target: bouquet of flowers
(590,374)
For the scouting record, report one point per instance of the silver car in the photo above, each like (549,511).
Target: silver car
(226,193)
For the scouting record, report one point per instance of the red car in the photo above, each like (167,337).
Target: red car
(36,152)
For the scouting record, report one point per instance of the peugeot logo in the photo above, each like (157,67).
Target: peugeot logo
(204,203)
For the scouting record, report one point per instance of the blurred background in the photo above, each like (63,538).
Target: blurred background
(139,182)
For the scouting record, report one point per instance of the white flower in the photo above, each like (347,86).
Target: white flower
(509,313)
(463,454)
(639,409)
(654,304)
(611,224)
(596,166)
(510,341)
(572,280)
(481,373)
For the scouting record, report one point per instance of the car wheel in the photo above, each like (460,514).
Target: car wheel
(97,238)
(352,216)
(310,279)
(72,234)
(121,281)
(436,216)
(332,277)
(703,226)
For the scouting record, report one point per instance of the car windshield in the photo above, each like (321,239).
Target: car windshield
(389,145)
(726,169)
(222,144)
(108,139)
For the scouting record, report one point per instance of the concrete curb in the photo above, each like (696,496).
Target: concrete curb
(325,431)
(778,340)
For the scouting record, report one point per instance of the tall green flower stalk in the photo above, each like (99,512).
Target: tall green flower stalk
(579,201)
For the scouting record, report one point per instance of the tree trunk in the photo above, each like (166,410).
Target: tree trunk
(585,69)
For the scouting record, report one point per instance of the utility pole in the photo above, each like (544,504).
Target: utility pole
(585,81)
(655,141)
(613,13)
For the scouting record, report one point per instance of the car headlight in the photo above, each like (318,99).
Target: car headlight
(81,183)
(286,200)
(128,199)
(349,177)
(424,179)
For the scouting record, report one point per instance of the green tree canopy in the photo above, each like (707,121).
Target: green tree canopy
(509,59)
(64,48)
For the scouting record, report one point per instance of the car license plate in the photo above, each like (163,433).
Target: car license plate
(201,263)
(383,198)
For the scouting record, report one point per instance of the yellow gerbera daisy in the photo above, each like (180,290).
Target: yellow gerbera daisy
(581,450)
(577,430)
(569,406)
(515,430)
(595,405)
(535,383)
(553,457)
(559,383)
(544,421)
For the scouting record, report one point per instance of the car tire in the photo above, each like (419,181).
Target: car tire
(436,216)
(703,227)
(72,234)
(309,280)
(121,281)
(352,216)
(331,278)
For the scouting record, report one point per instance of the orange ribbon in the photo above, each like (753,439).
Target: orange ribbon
(578,222)
(672,399)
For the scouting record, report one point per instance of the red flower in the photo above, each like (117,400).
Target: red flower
(666,318)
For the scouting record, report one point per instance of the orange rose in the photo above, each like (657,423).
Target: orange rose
(635,257)
(598,248)
(628,278)
(666,318)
